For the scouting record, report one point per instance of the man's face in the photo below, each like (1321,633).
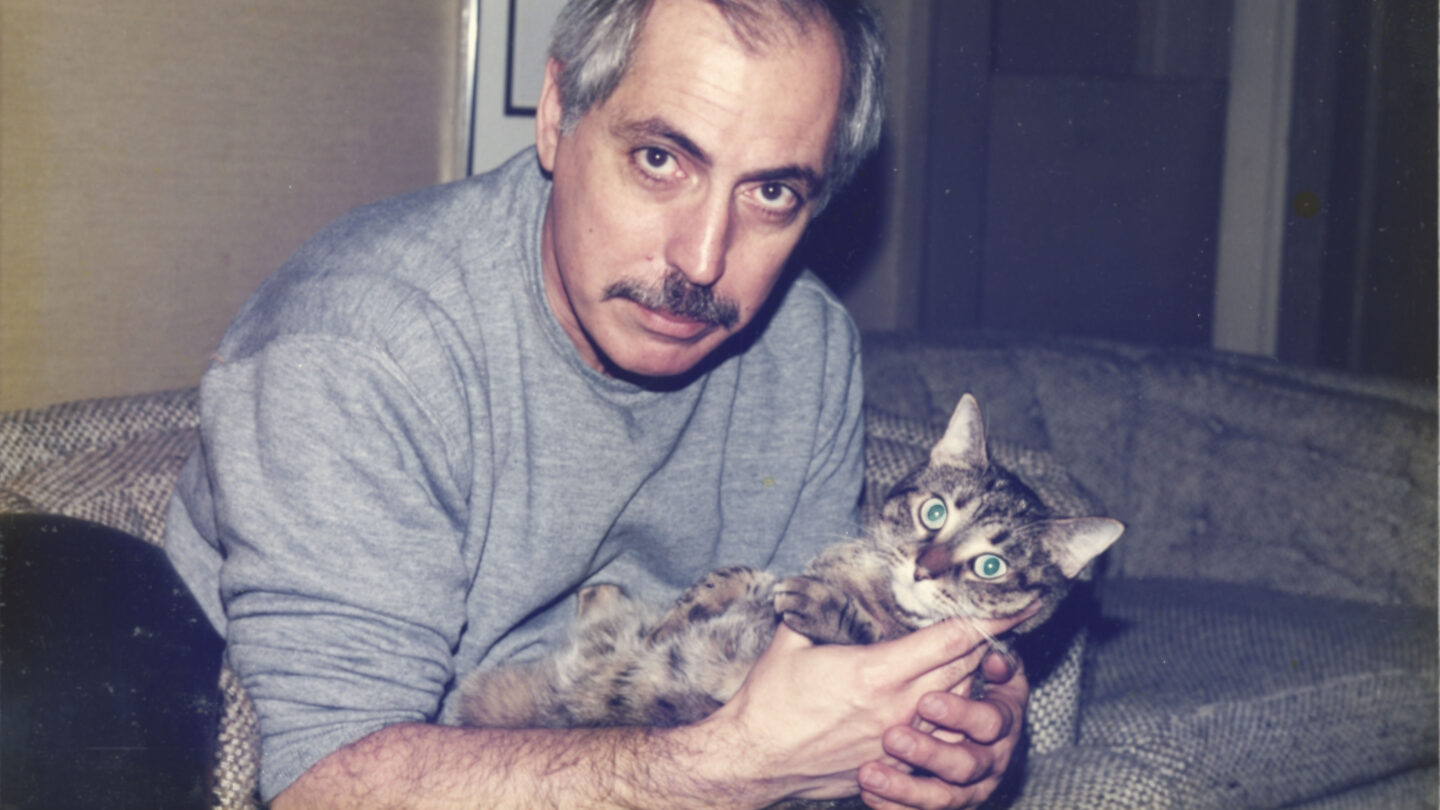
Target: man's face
(678,200)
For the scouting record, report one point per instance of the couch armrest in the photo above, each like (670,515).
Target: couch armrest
(112,461)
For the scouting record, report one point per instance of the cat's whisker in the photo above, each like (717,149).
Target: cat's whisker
(975,624)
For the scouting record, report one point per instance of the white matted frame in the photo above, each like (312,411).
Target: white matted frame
(529,39)
(510,40)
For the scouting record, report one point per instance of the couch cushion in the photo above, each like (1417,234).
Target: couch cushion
(1241,697)
(1412,790)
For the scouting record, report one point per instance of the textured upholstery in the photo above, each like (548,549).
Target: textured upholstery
(111,461)
(1244,697)
(1269,616)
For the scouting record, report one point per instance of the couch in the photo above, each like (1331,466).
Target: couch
(1263,635)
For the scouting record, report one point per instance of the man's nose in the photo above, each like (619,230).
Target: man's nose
(700,239)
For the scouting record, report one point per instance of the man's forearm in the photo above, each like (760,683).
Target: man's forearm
(415,765)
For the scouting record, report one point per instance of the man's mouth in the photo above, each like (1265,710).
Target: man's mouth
(671,325)
(676,305)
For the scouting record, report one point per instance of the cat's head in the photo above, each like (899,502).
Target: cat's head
(967,538)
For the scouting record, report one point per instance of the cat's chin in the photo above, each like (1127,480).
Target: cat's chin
(916,599)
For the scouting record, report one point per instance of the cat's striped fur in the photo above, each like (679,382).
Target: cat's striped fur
(959,536)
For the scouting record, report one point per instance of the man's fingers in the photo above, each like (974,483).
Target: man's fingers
(956,763)
(953,773)
(885,788)
(962,760)
(983,721)
(989,719)
(999,666)
(933,647)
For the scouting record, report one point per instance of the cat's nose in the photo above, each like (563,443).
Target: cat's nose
(934,562)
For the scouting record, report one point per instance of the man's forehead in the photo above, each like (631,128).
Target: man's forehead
(760,26)
(757,26)
(688,54)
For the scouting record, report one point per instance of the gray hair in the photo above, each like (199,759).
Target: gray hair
(593,41)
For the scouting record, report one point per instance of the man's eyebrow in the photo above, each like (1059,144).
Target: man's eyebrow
(660,129)
(657,128)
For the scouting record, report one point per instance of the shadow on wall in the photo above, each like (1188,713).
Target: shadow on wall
(844,242)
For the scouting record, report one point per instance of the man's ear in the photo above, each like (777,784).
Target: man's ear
(548,116)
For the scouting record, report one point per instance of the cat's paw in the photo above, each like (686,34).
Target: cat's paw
(594,600)
(711,596)
(822,612)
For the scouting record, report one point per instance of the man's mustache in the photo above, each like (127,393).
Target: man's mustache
(679,297)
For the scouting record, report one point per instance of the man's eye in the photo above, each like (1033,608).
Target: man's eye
(777,197)
(657,161)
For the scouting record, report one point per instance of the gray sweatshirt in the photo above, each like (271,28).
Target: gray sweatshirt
(406,469)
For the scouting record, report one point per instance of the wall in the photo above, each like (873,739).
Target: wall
(879,279)
(159,159)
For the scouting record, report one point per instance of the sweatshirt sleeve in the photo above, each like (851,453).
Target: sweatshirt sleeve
(340,513)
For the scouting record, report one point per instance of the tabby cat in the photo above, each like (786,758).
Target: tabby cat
(959,536)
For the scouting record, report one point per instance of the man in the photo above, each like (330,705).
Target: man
(452,410)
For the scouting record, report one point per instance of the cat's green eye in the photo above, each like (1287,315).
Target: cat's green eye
(932,513)
(989,566)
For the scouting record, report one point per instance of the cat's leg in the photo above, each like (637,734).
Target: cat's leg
(505,697)
(533,694)
(824,612)
(711,596)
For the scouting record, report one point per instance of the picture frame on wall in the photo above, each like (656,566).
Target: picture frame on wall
(528,41)
(508,69)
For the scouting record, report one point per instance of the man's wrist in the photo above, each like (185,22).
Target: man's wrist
(708,764)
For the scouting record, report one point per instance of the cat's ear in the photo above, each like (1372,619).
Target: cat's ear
(1074,542)
(963,444)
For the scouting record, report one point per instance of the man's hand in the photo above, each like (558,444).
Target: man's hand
(813,714)
(967,749)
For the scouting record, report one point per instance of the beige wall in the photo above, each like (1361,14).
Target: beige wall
(159,159)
